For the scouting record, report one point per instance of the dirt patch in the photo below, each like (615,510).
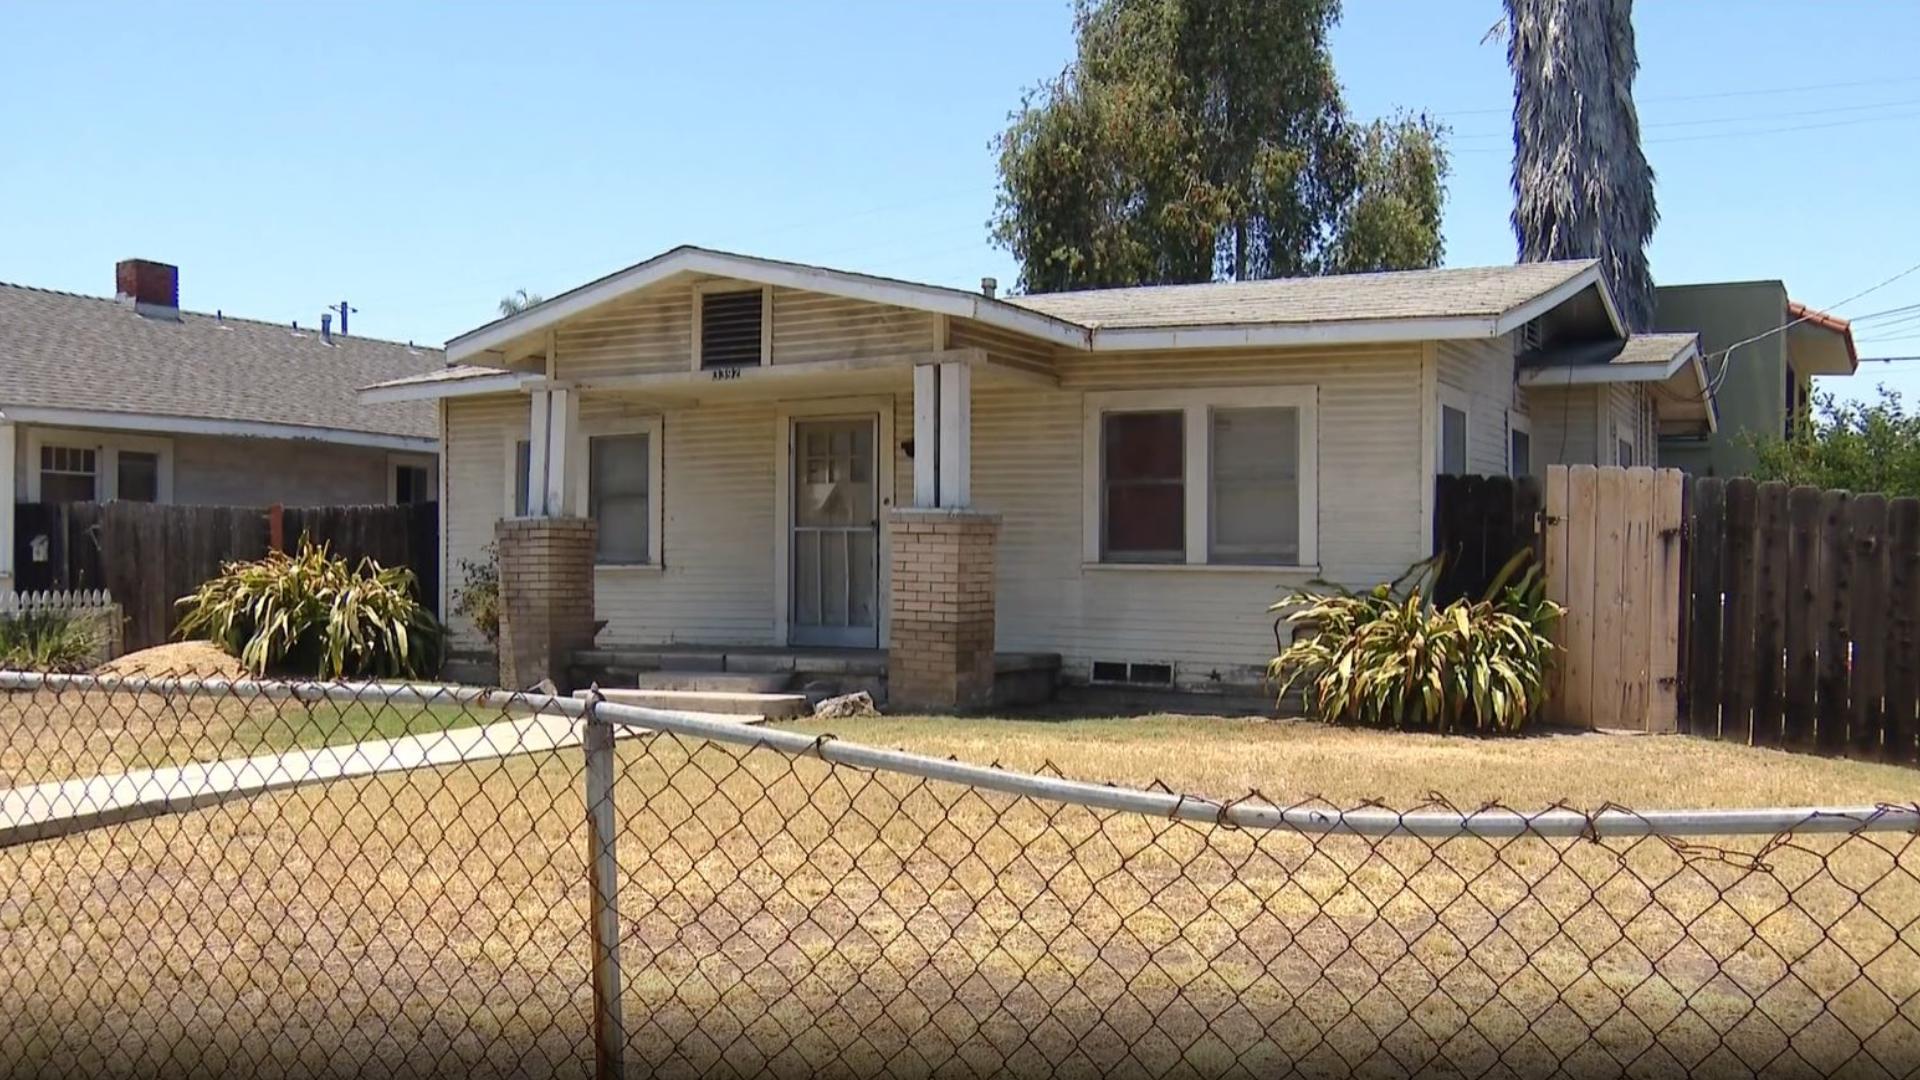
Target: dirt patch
(184,659)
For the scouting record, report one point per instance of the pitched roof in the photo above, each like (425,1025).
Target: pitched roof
(1401,294)
(64,351)
(1641,356)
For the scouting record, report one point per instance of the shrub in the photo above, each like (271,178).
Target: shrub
(478,597)
(58,641)
(312,613)
(1389,658)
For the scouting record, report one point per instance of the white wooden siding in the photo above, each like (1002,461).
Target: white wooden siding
(1004,346)
(1482,370)
(478,434)
(1566,426)
(814,326)
(649,332)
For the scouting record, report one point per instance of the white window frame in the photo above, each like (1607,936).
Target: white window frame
(651,427)
(1452,397)
(1522,423)
(1197,405)
(413,461)
(106,447)
(701,288)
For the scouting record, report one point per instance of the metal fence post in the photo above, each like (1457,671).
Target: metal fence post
(603,871)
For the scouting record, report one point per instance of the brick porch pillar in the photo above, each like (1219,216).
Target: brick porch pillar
(546,597)
(940,653)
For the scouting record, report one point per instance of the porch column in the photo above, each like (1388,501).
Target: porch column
(941,627)
(547,557)
(8,436)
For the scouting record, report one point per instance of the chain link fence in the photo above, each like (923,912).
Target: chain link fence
(210,878)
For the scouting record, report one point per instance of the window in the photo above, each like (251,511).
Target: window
(522,462)
(1255,493)
(618,494)
(732,328)
(1519,446)
(412,484)
(1453,432)
(1221,477)
(1623,453)
(1144,496)
(68,474)
(136,476)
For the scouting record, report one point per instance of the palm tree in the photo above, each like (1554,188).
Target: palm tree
(1582,187)
(518,301)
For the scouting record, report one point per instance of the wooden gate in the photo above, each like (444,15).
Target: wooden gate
(1614,561)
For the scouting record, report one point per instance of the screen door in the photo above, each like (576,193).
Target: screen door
(834,583)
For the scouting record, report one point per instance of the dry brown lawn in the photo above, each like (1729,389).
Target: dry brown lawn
(797,917)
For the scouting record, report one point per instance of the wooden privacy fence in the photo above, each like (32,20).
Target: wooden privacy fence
(147,555)
(1479,523)
(1801,611)
(1613,554)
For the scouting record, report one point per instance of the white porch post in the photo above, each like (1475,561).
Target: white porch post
(8,434)
(537,416)
(942,435)
(563,421)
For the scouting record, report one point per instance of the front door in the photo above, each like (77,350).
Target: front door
(834,594)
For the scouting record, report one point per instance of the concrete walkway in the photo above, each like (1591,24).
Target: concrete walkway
(61,807)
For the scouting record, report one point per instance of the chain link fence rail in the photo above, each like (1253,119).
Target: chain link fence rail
(215,878)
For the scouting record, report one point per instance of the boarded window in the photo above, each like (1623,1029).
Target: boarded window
(730,328)
(617,496)
(1255,486)
(1143,461)
(1453,441)
(68,474)
(137,476)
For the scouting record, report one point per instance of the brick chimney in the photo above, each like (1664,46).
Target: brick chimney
(152,287)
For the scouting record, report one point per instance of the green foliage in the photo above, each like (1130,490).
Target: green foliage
(58,641)
(478,597)
(518,301)
(1855,446)
(1196,139)
(1390,658)
(312,613)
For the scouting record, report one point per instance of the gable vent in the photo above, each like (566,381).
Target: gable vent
(730,328)
(1530,336)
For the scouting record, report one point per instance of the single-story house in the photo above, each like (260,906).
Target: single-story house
(133,398)
(788,456)
(1763,376)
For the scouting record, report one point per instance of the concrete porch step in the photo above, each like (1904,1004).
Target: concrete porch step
(713,681)
(766,706)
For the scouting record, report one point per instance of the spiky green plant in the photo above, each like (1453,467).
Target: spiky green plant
(58,641)
(313,613)
(1389,657)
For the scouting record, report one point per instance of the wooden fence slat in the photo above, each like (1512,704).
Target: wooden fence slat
(1636,601)
(1903,631)
(1832,608)
(1609,558)
(1867,522)
(1553,562)
(1666,578)
(1737,578)
(1802,641)
(1705,556)
(1769,635)
(1581,516)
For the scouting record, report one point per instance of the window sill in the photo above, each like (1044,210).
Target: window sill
(628,569)
(1201,568)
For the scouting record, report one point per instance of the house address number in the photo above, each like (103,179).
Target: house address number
(722,373)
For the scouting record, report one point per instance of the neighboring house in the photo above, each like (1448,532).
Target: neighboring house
(1767,381)
(1161,460)
(132,398)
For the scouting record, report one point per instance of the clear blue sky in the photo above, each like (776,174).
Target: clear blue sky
(421,160)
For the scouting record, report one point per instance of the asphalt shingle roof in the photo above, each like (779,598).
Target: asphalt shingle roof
(1400,294)
(61,350)
(1656,350)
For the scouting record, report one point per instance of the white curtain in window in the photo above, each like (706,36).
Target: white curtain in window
(1255,497)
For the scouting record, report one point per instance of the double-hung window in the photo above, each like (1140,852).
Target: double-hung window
(1201,477)
(69,474)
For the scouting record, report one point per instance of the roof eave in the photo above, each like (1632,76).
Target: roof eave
(1588,277)
(1342,332)
(434,390)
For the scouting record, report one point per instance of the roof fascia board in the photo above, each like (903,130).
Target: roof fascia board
(1524,313)
(1343,332)
(944,301)
(193,425)
(434,390)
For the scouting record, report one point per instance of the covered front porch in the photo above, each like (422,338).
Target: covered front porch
(815,522)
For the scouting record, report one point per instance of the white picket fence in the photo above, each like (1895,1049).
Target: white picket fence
(95,603)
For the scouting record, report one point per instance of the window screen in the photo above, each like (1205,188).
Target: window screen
(1144,505)
(1520,453)
(730,325)
(1453,441)
(617,495)
(68,474)
(1255,486)
(137,476)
